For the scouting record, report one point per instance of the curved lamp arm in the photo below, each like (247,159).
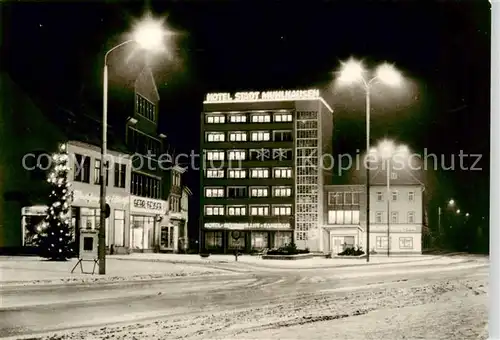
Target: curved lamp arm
(114,48)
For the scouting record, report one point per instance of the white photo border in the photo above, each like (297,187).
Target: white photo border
(494,283)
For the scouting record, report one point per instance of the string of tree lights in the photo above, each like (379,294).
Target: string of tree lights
(55,236)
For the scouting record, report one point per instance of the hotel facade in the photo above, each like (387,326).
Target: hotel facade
(261,179)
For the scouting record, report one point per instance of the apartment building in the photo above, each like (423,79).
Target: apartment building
(396,215)
(261,177)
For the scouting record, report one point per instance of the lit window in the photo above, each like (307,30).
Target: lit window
(283,117)
(343,217)
(235,210)
(258,136)
(214,210)
(237,136)
(259,173)
(214,192)
(237,118)
(283,173)
(215,155)
(259,210)
(282,210)
(236,155)
(259,192)
(261,118)
(215,173)
(215,136)
(282,191)
(215,119)
(237,173)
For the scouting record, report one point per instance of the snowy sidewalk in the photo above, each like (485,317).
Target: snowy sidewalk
(310,263)
(35,270)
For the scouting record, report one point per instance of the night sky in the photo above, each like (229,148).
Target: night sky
(54,51)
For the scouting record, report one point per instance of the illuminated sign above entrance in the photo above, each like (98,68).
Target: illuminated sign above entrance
(248,226)
(263,96)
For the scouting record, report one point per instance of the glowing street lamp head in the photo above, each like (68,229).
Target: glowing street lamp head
(149,33)
(389,75)
(351,71)
(458,211)
(451,202)
(467,215)
(386,149)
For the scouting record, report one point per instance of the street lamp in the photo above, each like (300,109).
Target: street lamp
(387,150)
(353,72)
(148,34)
(451,203)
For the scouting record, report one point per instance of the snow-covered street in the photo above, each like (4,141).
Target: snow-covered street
(428,298)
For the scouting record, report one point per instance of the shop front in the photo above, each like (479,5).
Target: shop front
(173,236)
(32,219)
(246,237)
(145,217)
(86,213)
(401,239)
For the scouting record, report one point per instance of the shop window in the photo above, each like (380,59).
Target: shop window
(213,239)
(119,227)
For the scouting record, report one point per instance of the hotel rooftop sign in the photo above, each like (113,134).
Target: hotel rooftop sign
(288,95)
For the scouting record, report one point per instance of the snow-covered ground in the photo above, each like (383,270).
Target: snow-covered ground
(407,301)
(316,262)
(34,270)
(447,308)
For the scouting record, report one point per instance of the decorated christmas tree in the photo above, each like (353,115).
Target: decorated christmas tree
(55,237)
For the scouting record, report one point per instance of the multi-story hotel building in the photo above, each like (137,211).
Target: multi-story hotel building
(262,176)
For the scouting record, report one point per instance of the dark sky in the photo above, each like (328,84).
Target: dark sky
(55,50)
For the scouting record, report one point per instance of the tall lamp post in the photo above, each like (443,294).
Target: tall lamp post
(387,150)
(149,34)
(451,203)
(353,72)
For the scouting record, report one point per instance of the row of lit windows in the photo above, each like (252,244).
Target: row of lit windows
(381,217)
(395,196)
(251,173)
(255,136)
(343,198)
(254,210)
(251,154)
(239,192)
(260,117)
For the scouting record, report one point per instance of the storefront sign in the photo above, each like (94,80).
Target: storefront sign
(147,205)
(248,226)
(80,197)
(262,96)
(35,210)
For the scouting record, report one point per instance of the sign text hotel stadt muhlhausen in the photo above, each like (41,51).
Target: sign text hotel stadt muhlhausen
(268,95)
